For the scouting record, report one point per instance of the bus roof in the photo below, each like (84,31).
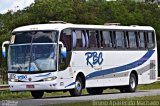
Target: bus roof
(61,26)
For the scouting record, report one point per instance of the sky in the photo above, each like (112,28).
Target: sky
(14,5)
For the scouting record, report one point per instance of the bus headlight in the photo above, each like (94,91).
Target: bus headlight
(50,78)
(13,80)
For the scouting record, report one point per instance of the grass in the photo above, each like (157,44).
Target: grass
(15,95)
(141,101)
(7,95)
(155,85)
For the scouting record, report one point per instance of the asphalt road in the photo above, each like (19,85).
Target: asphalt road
(68,99)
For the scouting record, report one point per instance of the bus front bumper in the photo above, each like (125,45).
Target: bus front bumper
(32,86)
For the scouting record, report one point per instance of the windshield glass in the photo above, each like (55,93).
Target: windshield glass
(19,57)
(43,57)
(33,52)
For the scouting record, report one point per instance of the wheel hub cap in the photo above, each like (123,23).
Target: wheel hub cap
(133,83)
(78,86)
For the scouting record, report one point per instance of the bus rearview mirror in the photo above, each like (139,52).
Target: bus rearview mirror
(3,52)
(4,49)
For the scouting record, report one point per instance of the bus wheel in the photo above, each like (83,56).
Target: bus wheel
(132,84)
(37,94)
(78,88)
(94,91)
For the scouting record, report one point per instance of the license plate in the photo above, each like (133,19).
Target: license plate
(29,86)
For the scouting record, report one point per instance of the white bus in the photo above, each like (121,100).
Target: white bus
(71,57)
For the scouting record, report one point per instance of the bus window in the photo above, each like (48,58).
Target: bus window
(132,40)
(23,37)
(80,39)
(107,39)
(36,37)
(66,39)
(141,40)
(86,38)
(150,41)
(74,39)
(98,38)
(45,37)
(92,39)
(102,45)
(126,40)
(119,39)
(83,39)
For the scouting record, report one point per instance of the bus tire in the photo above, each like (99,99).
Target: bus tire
(78,88)
(132,83)
(37,94)
(94,91)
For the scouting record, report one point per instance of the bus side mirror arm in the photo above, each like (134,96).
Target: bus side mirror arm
(63,51)
(4,49)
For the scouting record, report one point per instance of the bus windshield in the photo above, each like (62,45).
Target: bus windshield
(33,52)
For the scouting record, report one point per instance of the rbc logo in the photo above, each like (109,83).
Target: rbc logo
(94,58)
(22,77)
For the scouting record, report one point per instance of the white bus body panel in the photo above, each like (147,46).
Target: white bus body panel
(114,59)
(112,69)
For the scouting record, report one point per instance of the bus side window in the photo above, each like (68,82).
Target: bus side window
(98,39)
(132,40)
(150,40)
(102,45)
(86,38)
(83,39)
(92,39)
(107,42)
(141,40)
(66,39)
(126,40)
(62,38)
(74,41)
(80,41)
(119,39)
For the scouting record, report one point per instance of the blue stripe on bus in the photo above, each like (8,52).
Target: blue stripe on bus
(120,68)
(70,84)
